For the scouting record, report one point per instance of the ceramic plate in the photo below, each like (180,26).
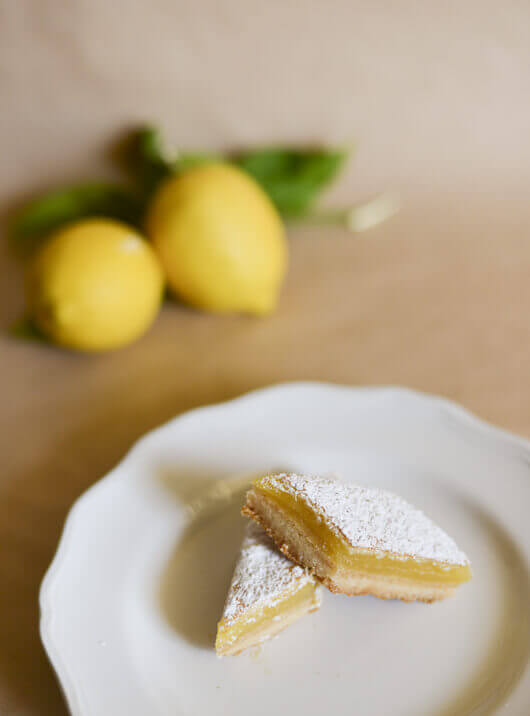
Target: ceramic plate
(130,603)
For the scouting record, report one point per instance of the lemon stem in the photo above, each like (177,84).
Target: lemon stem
(359,217)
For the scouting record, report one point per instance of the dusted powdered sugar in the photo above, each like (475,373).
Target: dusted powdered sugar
(262,575)
(371,518)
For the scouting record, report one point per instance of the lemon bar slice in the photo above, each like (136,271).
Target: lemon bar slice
(267,593)
(358,540)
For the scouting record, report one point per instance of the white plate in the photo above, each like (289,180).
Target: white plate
(130,602)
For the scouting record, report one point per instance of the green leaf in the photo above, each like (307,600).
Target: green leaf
(151,148)
(292,178)
(53,210)
(151,161)
(26,329)
(148,160)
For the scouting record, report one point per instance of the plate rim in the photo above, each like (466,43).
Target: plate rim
(66,683)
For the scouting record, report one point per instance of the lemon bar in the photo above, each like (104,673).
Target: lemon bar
(267,593)
(357,540)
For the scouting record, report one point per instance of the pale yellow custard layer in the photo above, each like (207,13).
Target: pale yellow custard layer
(346,556)
(259,619)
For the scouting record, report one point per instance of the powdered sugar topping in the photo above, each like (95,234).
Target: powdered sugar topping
(261,576)
(370,518)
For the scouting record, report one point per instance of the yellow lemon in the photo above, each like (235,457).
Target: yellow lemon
(220,239)
(95,285)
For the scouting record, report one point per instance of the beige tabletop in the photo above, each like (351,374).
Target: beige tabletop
(436,97)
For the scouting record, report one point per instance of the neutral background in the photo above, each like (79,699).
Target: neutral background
(436,97)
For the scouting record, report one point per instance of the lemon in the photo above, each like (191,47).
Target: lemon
(220,239)
(95,285)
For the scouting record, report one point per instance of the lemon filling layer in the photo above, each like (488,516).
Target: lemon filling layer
(267,593)
(345,556)
(264,619)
